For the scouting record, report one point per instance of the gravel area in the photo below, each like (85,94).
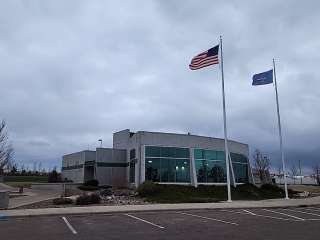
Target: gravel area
(108,198)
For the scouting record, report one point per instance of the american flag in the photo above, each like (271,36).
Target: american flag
(205,59)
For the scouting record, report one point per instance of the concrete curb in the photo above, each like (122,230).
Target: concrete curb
(274,203)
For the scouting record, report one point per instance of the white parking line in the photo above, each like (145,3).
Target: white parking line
(208,218)
(259,215)
(69,225)
(229,211)
(288,215)
(251,213)
(298,211)
(142,220)
(313,209)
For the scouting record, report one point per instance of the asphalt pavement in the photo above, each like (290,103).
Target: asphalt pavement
(243,224)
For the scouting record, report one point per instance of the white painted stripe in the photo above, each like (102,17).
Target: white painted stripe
(69,225)
(142,220)
(313,209)
(259,215)
(298,211)
(229,211)
(288,215)
(208,218)
(251,213)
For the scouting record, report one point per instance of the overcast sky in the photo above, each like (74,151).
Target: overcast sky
(72,72)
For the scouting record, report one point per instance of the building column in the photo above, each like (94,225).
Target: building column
(142,164)
(193,173)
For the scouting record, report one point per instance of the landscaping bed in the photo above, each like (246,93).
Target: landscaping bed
(149,193)
(119,197)
(161,193)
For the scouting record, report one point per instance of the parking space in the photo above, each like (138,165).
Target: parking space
(35,229)
(275,223)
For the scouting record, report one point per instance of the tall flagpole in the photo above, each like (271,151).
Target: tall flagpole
(226,150)
(280,133)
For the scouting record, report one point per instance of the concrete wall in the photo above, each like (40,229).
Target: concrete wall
(121,139)
(111,166)
(111,155)
(4,199)
(89,155)
(191,141)
(75,175)
(74,163)
(73,159)
(54,186)
(127,140)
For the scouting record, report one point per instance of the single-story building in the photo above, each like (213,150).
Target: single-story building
(159,157)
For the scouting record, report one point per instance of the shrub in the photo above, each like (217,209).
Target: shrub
(88,188)
(61,201)
(92,182)
(147,188)
(88,199)
(106,192)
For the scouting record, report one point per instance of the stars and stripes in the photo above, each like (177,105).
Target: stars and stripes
(205,59)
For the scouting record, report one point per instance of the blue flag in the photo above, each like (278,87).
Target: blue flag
(263,78)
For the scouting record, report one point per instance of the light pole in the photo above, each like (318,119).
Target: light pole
(100,140)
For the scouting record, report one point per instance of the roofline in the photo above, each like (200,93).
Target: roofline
(183,134)
(78,152)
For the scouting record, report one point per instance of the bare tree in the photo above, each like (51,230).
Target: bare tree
(316,172)
(6,150)
(294,172)
(262,164)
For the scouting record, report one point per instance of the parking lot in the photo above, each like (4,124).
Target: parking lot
(272,223)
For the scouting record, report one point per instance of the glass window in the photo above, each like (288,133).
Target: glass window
(201,169)
(132,154)
(240,172)
(167,152)
(171,169)
(182,152)
(173,152)
(198,154)
(211,166)
(238,158)
(173,165)
(221,155)
(164,170)
(152,169)
(210,171)
(152,151)
(216,171)
(182,170)
(210,154)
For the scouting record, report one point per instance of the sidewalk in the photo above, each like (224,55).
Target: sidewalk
(32,196)
(161,207)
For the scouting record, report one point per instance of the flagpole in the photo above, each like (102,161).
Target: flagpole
(280,133)
(226,150)
(232,171)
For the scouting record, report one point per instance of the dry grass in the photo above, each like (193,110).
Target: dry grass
(308,188)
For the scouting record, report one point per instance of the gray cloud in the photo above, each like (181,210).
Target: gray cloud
(73,72)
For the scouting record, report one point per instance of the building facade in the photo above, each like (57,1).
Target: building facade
(159,157)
